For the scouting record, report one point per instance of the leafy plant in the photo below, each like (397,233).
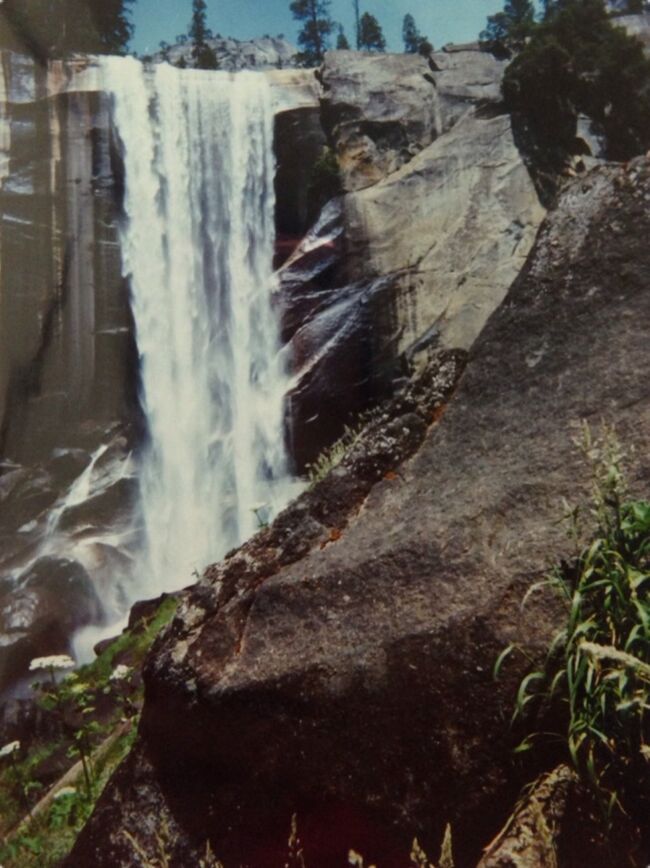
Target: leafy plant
(332,456)
(598,667)
(90,719)
(324,180)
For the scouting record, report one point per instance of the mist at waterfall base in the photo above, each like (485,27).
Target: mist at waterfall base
(197,247)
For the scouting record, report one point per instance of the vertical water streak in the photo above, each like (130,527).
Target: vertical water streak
(197,246)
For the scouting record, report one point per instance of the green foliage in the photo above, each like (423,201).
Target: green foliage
(205,57)
(371,36)
(598,667)
(333,455)
(357,24)
(508,30)
(46,840)
(410,35)
(198,28)
(57,28)
(314,38)
(83,709)
(414,42)
(324,180)
(578,62)
(132,646)
(203,54)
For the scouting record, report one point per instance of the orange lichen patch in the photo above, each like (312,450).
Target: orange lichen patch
(438,413)
(334,535)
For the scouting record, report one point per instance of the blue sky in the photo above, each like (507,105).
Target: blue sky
(441,20)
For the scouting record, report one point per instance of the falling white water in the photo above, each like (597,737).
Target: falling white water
(197,246)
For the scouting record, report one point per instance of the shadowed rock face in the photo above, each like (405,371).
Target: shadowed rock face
(353,686)
(299,142)
(67,357)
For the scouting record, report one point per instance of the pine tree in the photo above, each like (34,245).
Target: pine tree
(316,31)
(357,24)
(342,43)
(508,30)
(414,42)
(111,24)
(203,54)
(410,35)
(371,36)
(577,62)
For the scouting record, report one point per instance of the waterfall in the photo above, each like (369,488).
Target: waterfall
(197,248)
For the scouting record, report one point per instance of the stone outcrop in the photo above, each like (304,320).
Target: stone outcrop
(380,110)
(68,364)
(70,518)
(438,217)
(353,686)
(233,55)
(531,839)
(472,218)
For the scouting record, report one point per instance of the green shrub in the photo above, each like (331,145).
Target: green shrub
(598,668)
(88,714)
(324,181)
(577,61)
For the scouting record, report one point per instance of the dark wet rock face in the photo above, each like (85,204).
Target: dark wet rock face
(74,503)
(67,357)
(299,142)
(345,675)
(38,615)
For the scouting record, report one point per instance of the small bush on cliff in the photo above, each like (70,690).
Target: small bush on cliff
(324,181)
(599,665)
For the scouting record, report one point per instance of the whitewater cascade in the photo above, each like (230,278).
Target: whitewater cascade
(197,247)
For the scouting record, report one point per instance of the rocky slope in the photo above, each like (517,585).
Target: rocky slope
(353,686)
(233,55)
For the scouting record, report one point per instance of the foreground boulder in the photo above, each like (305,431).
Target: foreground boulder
(353,687)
